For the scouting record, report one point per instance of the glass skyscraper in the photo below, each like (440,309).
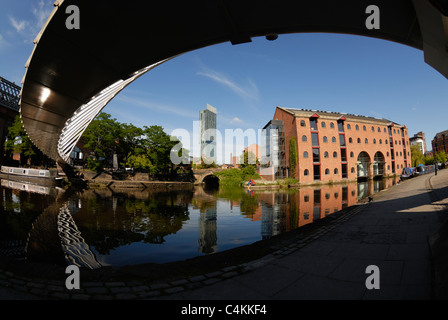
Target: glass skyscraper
(208,133)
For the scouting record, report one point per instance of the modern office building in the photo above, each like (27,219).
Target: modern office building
(333,146)
(208,132)
(419,140)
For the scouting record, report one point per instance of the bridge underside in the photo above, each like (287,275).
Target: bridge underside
(72,74)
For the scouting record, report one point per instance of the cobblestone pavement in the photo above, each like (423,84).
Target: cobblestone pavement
(390,232)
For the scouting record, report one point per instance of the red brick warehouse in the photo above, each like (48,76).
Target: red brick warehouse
(333,147)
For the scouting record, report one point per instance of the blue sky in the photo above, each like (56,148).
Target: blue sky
(330,72)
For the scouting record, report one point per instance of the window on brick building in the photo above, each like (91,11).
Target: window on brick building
(315,139)
(305,154)
(304,138)
(316,157)
(302,123)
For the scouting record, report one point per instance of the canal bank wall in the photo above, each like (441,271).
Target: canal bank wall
(136,181)
(282,184)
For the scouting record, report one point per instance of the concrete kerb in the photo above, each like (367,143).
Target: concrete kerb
(438,245)
(137,289)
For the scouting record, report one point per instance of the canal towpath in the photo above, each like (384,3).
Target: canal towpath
(401,232)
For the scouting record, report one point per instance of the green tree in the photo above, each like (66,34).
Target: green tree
(292,156)
(441,157)
(158,146)
(248,158)
(130,144)
(102,137)
(417,156)
(17,141)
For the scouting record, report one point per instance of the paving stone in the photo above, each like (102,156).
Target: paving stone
(125,296)
(174,290)
(197,278)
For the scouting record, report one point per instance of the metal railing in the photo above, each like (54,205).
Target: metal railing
(9,94)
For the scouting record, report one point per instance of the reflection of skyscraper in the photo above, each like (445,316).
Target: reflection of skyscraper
(208,132)
(208,231)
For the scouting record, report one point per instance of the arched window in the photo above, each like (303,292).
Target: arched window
(306,172)
(302,123)
(331,125)
(364,128)
(352,170)
(350,140)
(381,141)
(335,154)
(352,154)
(304,138)
(305,154)
(357,127)
(333,139)
(366,140)
(359,140)
(373,129)
(327,171)
(323,125)
(349,127)
(374,141)
(379,129)
(325,139)
(335,170)
(325,154)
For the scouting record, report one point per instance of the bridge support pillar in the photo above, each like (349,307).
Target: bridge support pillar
(70,173)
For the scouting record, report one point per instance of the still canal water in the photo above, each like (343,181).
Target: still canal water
(102,227)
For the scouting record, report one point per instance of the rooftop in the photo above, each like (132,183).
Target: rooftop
(337,115)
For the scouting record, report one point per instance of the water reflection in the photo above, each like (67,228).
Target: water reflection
(92,228)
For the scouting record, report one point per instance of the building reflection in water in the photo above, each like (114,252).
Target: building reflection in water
(283,211)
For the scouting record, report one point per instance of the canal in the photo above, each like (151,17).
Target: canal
(103,227)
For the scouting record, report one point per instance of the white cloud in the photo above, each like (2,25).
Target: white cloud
(3,42)
(41,13)
(249,91)
(236,120)
(30,27)
(160,108)
(18,25)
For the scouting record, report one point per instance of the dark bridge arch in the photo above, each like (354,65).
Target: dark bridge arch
(72,74)
(210,180)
